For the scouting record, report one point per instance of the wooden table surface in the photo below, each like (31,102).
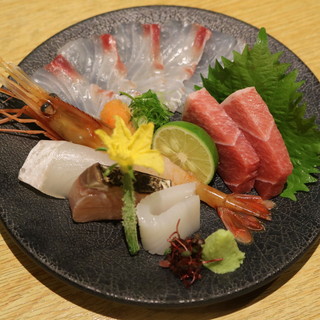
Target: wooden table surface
(28,292)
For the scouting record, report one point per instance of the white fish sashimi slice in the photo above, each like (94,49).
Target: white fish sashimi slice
(166,58)
(220,44)
(80,53)
(182,47)
(139,47)
(97,60)
(158,215)
(52,166)
(61,78)
(160,58)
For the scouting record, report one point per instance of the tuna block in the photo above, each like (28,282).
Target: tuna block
(238,163)
(252,115)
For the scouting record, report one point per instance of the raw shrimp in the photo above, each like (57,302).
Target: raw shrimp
(58,119)
(61,121)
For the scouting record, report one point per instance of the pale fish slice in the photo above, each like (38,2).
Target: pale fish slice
(139,47)
(219,45)
(182,47)
(97,60)
(52,166)
(60,77)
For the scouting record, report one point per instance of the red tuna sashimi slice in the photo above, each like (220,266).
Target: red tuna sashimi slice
(239,162)
(250,112)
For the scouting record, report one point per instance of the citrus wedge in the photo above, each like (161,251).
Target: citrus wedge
(188,146)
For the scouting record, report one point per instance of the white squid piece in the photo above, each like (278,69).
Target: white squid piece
(159,213)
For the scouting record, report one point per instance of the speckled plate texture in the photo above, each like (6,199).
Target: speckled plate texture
(94,256)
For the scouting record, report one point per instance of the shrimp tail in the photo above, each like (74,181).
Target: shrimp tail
(250,205)
(240,224)
(238,212)
(244,203)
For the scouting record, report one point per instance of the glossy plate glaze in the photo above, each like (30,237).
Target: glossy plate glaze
(93,256)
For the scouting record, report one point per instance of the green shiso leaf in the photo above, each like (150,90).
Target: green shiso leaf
(279,88)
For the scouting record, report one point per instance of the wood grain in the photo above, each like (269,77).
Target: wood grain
(28,292)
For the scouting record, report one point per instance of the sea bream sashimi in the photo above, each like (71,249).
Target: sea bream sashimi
(139,48)
(60,77)
(218,45)
(134,58)
(182,47)
(252,115)
(239,162)
(97,59)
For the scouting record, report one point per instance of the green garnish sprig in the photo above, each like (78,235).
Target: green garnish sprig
(148,108)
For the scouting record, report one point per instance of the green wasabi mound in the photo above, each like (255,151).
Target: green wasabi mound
(222,245)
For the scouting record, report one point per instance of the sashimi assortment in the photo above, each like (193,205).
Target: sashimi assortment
(66,98)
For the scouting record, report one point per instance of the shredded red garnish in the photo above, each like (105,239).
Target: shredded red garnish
(184,258)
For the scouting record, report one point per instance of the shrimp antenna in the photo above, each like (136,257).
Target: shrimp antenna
(21,87)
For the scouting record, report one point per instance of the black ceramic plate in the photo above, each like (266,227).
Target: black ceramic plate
(94,257)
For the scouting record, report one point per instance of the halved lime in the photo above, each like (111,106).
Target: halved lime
(188,146)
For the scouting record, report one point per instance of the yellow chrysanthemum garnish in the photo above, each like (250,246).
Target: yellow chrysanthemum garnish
(129,150)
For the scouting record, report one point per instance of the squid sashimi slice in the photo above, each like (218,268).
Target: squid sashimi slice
(159,213)
(252,115)
(53,166)
(60,77)
(97,59)
(239,162)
